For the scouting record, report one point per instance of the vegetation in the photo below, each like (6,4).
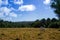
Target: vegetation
(56,6)
(29,34)
(46,23)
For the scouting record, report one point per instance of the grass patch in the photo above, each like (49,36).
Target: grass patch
(29,34)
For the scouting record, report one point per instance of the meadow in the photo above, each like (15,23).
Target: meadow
(29,34)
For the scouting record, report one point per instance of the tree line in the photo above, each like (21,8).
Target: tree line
(46,23)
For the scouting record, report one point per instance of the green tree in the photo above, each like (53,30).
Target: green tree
(43,22)
(54,25)
(55,4)
(48,21)
(54,20)
(36,24)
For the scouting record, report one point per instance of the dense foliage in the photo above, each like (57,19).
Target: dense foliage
(46,23)
(55,4)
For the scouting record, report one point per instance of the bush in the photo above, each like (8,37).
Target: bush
(54,25)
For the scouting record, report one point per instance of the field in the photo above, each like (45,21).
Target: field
(29,34)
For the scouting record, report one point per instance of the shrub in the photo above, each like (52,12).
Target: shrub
(54,25)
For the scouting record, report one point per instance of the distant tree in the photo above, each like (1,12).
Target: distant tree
(36,24)
(1,20)
(54,25)
(48,21)
(43,22)
(55,4)
(53,20)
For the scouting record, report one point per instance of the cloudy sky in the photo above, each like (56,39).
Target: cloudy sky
(25,10)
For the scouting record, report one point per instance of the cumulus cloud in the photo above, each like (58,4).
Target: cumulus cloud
(46,2)
(1,2)
(27,8)
(9,11)
(5,2)
(6,11)
(18,2)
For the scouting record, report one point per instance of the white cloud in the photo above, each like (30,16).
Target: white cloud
(27,8)
(0,2)
(18,2)
(7,12)
(46,2)
(4,11)
(5,2)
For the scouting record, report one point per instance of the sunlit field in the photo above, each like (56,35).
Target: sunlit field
(29,34)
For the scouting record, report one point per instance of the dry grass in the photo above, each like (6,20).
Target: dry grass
(29,34)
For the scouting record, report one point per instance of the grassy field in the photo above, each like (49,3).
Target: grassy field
(29,34)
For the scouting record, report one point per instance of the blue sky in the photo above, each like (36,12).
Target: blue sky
(25,10)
